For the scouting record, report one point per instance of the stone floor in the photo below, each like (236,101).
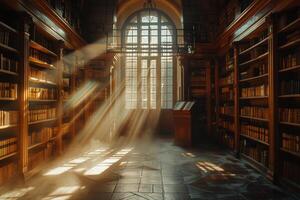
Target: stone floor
(149,171)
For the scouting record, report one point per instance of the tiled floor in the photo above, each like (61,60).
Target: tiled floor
(150,171)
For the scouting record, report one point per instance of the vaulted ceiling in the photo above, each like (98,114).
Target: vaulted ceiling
(100,15)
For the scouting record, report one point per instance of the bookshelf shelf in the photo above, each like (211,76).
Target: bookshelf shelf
(36,145)
(8,27)
(41,48)
(290,96)
(6,99)
(290,124)
(290,152)
(8,128)
(8,156)
(255,97)
(255,164)
(41,64)
(42,122)
(289,69)
(41,83)
(6,72)
(42,101)
(254,60)
(254,139)
(289,183)
(254,78)
(264,41)
(291,26)
(8,48)
(290,44)
(254,118)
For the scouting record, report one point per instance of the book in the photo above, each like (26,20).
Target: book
(8,90)
(43,112)
(255,111)
(8,118)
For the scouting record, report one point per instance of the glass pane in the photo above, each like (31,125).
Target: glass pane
(153,84)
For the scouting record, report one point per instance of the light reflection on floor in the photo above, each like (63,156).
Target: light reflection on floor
(105,158)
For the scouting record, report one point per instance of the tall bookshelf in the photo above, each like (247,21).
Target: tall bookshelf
(9,96)
(32,89)
(287,25)
(255,99)
(43,96)
(212,99)
(226,102)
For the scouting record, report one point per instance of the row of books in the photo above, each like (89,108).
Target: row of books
(41,76)
(43,135)
(8,118)
(255,111)
(8,90)
(291,170)
(8,64)
(8,146)
(40,56)
(44,113)
(255,151)
(262,90)
(259,133)
(227,125)
(7,171)
(37,157)
(7,38)
(291,142)
(42,93)
(227,110)
(290,87)
(67,10)
(290,60)
(257,70)
(227,80)
(291,115)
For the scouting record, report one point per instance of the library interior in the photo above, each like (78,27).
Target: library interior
(149,99)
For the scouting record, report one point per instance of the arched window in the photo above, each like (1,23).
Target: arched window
(148,40)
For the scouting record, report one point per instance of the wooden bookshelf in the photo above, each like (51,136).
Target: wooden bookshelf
(9,97)
(254,99)
(288,95)
(31,54)
(226,102)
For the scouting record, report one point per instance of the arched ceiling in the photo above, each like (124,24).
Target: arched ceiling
(173,8)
